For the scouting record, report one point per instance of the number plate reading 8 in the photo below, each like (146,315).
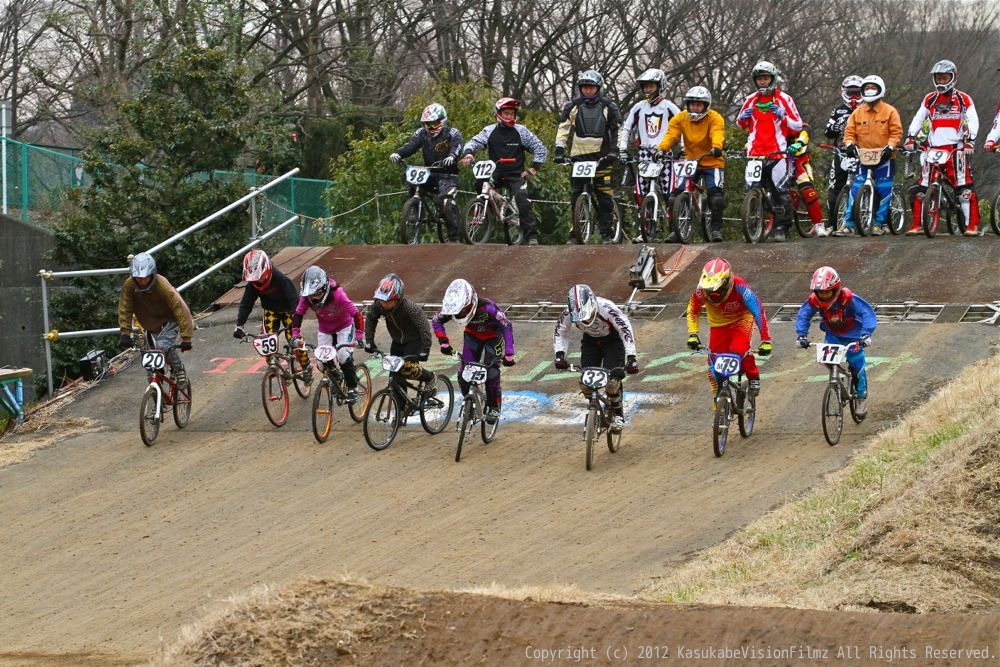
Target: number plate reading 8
(417,175)
(831,354)
(392,364)
(727,365)
(650,169)
(152,360)
(325,353)
(753,171)
(584,169)
(484,169)
(685,168)
(595,378)
(474,373)
(938,157)
(266,345)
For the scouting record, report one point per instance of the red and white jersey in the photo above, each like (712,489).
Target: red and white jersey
(953,118)
(994,134)
(767,130)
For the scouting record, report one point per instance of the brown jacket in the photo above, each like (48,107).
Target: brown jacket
(874,126)
(162,304)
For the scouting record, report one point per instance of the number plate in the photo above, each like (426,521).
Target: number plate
(685,168)
(849,163)
(417,175)
(829,353)
(392,364)
(650,169)
(152,360)
(870,156)
(938,156)
(484,169)
(474,373)
(325,353)
(753,172)
(584,169)
(727,365)
(595,378)
(266,345)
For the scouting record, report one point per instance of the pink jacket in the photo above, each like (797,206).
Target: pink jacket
(339,312)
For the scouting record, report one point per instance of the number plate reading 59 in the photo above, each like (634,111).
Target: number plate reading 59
(266,345)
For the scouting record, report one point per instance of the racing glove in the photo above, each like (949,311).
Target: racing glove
(765,348)
(631,365)
(990,146)
(239,333)
(560,155)
(661,156)
(185,346)
(623,157)
(508,360)
(865,341)
(746,113)
(795,147)
(851,150)
(777,110)
(886,154)
(297,342)
(395,158)
(125,341)
(716,151)
(803,341)
(448,161)
(910,144)
(447,350)
(694,343)
(560,361)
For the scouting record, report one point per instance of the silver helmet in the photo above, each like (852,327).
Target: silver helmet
(944,67)
(315,285)
(460,301)
(698,94)
(652,76)
(143,266)
(582,304)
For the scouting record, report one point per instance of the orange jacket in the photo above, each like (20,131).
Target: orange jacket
(874,126)
(699,138)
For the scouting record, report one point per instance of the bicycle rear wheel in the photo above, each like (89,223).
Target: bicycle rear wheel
(995,215)
(682,217)
(833,414)
(435,411)
(359,407)
(720,428)
(800,216)
(752,214)
(149,417)
(182,405)
(930,213)
(840,211)
(954,217)
(477,224)
(513,234)
(322,410)
(470,407)
(897,210)
(584,218)
(274,396)
(590,434)
(382,420)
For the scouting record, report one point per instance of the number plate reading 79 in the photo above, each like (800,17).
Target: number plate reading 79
(266,345)
(417,175)
(831,354)
(483,169)
(474,373)
(595,378)
(152,360)
(584,169)
(727,365)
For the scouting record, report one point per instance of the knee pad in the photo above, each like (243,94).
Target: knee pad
(411,370)
(965,193)
(809,194)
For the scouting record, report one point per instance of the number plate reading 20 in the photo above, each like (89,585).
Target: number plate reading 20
(474,373)
(595,378)
(152,360)
(727,365)
(266,345)
(584,169)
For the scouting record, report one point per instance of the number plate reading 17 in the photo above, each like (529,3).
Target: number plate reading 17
(831,354)
(392,364)
(325,353)
(266,345)
(584,169)
(650,169)
(152,360)
(938,156)
(595,378)
(727,365)
(753,171)
(484,169)
(474,373)
(685,168)
(417,175)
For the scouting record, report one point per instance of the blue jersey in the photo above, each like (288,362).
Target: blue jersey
(847,316)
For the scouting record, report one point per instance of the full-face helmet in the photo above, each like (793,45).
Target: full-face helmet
(582,304)
(716,280)
(390,288)
(770,69)
(698,94)
(433,118)
(850,90)
(867,93)
(315,286)
(460,301)
(506,103)
(825,284)
(944,67)
(257,267)
(652,76)
(590,77)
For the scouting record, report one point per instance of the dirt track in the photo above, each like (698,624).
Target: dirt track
(110,547)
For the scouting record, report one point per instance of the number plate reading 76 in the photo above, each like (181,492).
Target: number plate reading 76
(152,360)
(417,175)
(474,373)
(727,365)
(831,354)
(685,168)
(266,345)
(595,378)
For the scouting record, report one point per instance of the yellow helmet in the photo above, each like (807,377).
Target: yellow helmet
(716,280)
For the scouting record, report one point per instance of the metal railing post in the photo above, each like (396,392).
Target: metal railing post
(24,182)
(253,216)
(45,324)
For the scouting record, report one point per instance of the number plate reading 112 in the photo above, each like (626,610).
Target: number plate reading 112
(152,360)
(325,353)
(266,345)
(483,169)
(417,175)
(727,365)
(392,364)
(831,354)
(584,169)
(474,373)
(595,378)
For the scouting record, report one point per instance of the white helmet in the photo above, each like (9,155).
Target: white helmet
(315,286)
(582,304)
(652,76)
(850,82)
(698,94)
(869,97)
(944,67)
(765,67)
(460,301)
(143,266)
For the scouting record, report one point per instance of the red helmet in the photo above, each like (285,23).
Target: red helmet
(716,280)
(506,103)
(257,267)
(826,279)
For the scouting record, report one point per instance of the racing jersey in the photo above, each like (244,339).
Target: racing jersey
(339,312)
(154,308)
(648,122)
(435,148)
(952,118)
(279,296)
(507,146)
(740,305)
(610,320)
(837,123)
(487,323)
(699,137)
(593,125)
(405,322)
(994,134)
(767,130)
(848,316)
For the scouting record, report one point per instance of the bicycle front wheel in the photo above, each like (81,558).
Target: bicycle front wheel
(617,223)
(648,223)
(382,420)
(274,396)
(995,215)
(748,415)
(752,214)
(833,414)
(614,440)
(864,209)
(149,417)
(590,434)
(897,210)
(720,428)
(322,412)
(359,407)
(411,222)
(839,214)
(435,411)
(469,408)
(584,218)
(683,225)
(301,388)
(931,211)
(477,224)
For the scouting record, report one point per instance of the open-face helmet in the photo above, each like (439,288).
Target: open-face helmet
(389,288)
(582,304)
(698,94)
(460,301)
(652,76)
(825,284)
(433,118)
(716,280)
(506,103)
(143,266)
(257,267)
(944,67)
(315,285)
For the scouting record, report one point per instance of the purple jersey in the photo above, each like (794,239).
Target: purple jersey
(488,323)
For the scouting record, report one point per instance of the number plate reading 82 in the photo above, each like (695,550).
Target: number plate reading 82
(474,373)
(595,378)
(266,345)
(152,360)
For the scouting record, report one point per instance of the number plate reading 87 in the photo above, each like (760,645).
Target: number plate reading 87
(595,378)
(392,364)
(484,169)
(584,169)
(831,354)
(325,353)
(753,172)
(417,175)
(152,360)
(474,373)
(266,345)
(727,365)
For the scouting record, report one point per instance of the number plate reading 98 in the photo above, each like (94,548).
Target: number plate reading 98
(595,378)
(727,365)
(417,175)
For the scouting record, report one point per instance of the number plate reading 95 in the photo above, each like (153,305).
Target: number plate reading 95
(727,365)
(595,378)
(584,169)
(474,373)
(152,360)
(266,345)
